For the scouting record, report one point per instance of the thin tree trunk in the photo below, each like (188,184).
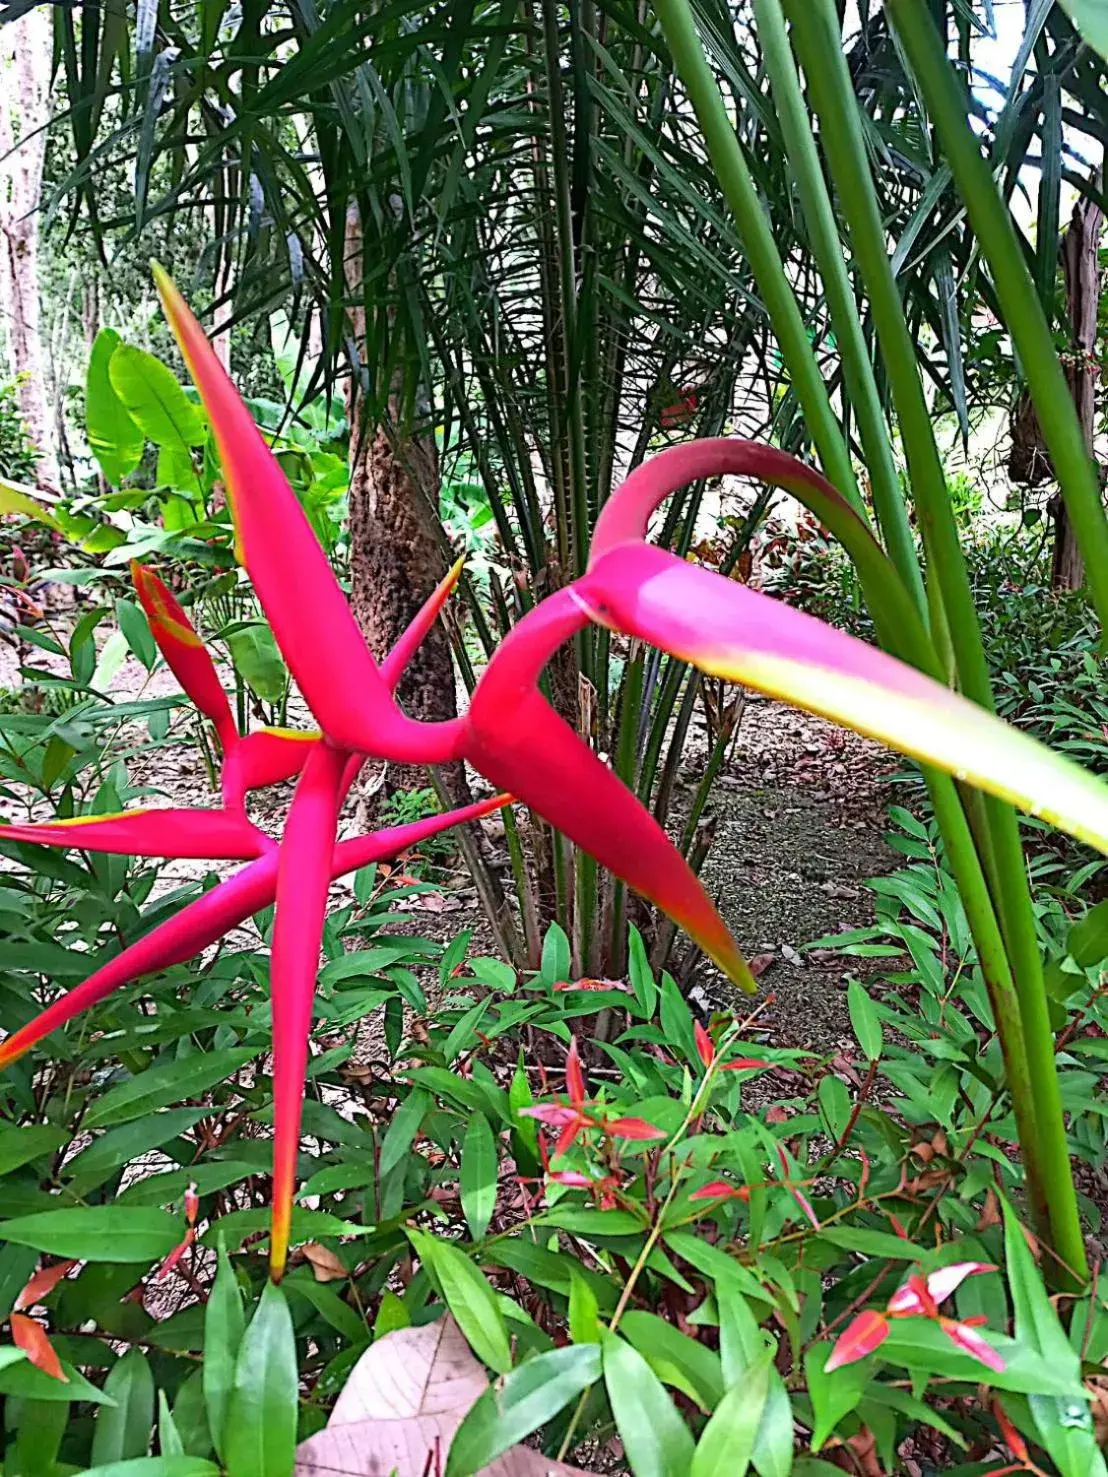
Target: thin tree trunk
(25,66)
(1081,260)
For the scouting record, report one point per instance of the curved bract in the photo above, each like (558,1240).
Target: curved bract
(515,739)
(733,632)
(219,834)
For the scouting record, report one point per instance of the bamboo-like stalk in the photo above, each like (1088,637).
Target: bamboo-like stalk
(895,613)
(992,225)
(817,39)
(861,384)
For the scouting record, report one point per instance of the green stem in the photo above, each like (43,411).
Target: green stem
(725,152)
(992,225)
(823,236)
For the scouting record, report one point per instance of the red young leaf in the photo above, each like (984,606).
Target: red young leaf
(971,1342)
(552,1114)
(30,1336)
(864,1334)
(704,1046)
(575,1079)
(632,1128)
(1012,1438)
(721,1190)
(42,1284)
(744,1064)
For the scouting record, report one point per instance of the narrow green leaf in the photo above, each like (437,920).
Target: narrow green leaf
(655,1438)
(122,1430)
(865,1020)
(403,1128)
(224,1322)
(530,1396)
(167,1082)
(584,1311)
(259,1437)
(479,1175)
(833,1395)
(136,631)
(169,1438)
(97,1233)
(468,1296)
(640,974)
(727,1441)
(156,1466)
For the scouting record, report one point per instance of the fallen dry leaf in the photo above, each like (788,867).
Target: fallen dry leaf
(402,1404)
(760,963)
(325,1264)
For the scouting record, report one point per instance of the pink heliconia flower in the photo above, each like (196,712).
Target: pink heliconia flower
(510,734)
(919,1297)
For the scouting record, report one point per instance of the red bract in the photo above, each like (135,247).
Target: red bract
(29,1335)
(967,1338)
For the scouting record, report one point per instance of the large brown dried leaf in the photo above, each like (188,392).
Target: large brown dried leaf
(403,1402)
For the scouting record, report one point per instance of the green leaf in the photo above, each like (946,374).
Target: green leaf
(773,1446)
(1036,1322)
(224,1322)
(97,1233)
(136,632)
(23,500)
(479,1175)
(555,966)
(110,1151)
(40,1426)
(115,440)
(675,1358)
(169,1438)
(530,1396)
(741,1341)
(640,974)
(727,1441)
(25,1382)
(19,1146)
(865,1020)
(123,1430)
(154,400)
(167,1082)
(468,1296)
(190,1417)
(584,1311)
(259,1438)
(258,662)
(1091,19)
(655,1439)
(833,1395)
(1088,940)
(156,1466)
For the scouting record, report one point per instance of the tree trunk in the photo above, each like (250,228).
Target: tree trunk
(396,554)
(25,64)
(1081,260)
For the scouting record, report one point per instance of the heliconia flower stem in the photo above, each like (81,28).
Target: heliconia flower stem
(303,878)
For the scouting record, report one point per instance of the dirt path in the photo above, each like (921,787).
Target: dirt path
(801,816)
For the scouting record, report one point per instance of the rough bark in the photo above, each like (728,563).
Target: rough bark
(396,555)
(1081,260)
(25,61)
